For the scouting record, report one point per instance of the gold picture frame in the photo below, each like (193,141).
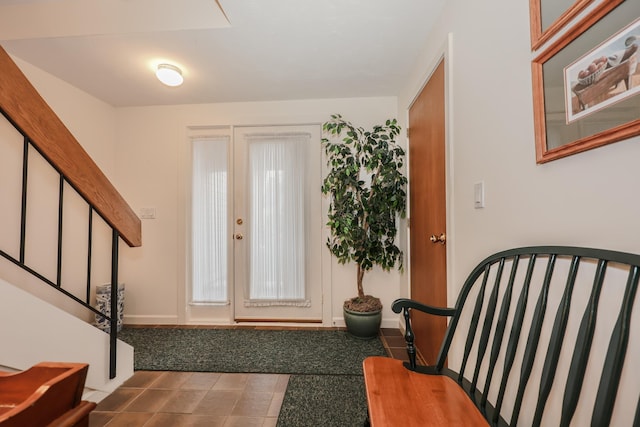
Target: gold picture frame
(557,132)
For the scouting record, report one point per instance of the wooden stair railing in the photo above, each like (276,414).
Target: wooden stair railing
(30,113)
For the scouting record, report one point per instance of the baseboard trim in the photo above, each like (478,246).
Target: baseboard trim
(150,320)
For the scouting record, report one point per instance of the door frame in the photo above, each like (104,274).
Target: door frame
(445,52)
(279,313)
(224,314)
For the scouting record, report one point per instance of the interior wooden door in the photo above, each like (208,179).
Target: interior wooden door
(428,261)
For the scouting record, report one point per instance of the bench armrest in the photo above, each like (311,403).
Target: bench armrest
(405,303)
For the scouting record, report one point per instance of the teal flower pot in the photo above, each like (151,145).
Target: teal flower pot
(363,325)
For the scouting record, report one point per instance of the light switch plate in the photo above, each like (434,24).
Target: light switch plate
(478,195)
(148,213)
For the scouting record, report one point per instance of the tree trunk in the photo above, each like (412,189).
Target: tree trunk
(360,277)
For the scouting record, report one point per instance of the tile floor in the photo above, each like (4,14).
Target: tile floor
(192,399)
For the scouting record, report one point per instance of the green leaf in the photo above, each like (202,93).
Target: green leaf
(366,189)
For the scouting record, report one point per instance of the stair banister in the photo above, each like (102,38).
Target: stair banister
(28,112)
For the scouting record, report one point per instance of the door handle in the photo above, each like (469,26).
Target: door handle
(239,236)
(442,238)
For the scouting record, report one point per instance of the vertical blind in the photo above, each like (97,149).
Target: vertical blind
(209,207)
(277,214)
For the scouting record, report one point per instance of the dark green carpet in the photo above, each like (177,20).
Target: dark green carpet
(324,401)
(249,350)
(326,387)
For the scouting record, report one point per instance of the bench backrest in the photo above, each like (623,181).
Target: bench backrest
(547,336)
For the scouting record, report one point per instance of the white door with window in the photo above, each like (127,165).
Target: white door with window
(256,223)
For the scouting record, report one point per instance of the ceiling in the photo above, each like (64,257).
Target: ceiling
(228,50)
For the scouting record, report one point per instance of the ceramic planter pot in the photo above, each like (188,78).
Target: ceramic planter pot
(363,325)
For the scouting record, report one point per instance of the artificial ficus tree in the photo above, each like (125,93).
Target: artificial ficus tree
(367,191)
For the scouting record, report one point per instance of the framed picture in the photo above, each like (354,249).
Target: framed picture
(586,85)
(604,75)
(549,16)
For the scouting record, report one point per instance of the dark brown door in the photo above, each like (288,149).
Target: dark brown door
(428,212)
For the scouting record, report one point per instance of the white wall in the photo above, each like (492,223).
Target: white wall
(91,121)
(60,337)
(139,151)
(149,175)
(93,124)
(587,199)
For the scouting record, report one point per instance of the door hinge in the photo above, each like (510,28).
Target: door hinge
(408,132)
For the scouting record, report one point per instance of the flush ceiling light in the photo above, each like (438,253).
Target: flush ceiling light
(169,75)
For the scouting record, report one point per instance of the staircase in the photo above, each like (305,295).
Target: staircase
(33,331)
(49,265)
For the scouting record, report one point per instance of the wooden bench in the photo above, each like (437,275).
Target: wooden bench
(538,336)
(47,394)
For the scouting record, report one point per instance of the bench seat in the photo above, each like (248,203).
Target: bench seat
(398,396)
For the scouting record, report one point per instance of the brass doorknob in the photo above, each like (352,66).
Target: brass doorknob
(239,236)
(442,238)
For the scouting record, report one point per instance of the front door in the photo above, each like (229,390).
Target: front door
(256,225)
(277,224)
(428,212)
